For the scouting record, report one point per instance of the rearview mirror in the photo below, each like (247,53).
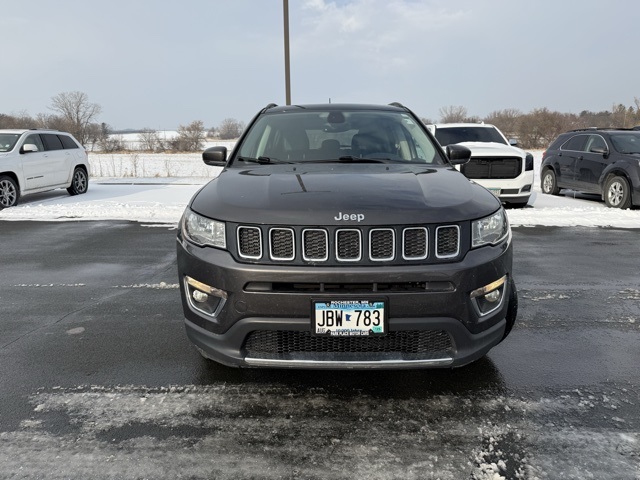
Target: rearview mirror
(215,156)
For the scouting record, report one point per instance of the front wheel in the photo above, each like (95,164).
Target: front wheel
(549,183)
(617,193)
(9,192)
(80,182)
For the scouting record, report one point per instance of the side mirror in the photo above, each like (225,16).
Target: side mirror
(215,156)
(601,150)
(28,147)
(513,142)
(458,154)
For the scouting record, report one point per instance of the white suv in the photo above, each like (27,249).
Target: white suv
(496,164)
(33,161)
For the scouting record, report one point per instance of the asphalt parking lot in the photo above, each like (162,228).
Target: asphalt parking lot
(99,381)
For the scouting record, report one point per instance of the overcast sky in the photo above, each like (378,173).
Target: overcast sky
(160,63)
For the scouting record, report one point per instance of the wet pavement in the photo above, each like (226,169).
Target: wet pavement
(99,381)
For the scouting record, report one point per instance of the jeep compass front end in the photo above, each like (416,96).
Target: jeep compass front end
(341,236)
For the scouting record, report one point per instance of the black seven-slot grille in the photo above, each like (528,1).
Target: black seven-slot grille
(492,167)
(301,245)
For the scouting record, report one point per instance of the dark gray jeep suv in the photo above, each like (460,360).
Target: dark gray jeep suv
(341,236)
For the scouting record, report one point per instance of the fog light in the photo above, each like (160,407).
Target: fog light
(204,298)
(199,296)
(489,298)
(493,296)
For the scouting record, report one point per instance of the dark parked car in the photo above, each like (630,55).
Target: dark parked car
(602,161)
(341,236)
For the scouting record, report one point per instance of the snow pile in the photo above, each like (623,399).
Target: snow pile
(155,188)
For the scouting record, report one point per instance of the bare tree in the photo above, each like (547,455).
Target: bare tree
(230,128)
(54,122)
(106,140)
(506,120)
(541,126)
(150,141)
(77,111)
(18,120)
(190,137)
(453,114)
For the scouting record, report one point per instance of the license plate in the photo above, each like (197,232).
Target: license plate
(495,191)
(349,318)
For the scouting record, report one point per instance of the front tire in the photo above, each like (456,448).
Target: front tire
(617,193)
(549,183)
(79,183)
(9,192)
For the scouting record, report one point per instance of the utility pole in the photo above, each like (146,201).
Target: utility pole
(287,72)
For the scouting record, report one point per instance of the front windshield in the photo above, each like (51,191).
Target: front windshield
(451,135)
(8,141)
(628,142)
(338,135)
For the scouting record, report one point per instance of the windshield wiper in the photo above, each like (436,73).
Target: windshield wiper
(261,160)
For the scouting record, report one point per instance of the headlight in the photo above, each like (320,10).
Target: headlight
(490,230)
(528,162)
(203,231)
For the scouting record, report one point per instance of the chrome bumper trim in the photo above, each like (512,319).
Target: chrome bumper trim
(266,362)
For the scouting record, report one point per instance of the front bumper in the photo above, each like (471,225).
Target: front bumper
(267,299)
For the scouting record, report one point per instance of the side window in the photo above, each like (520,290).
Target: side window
(67,142)
(52,142)
(34,140)
(576,143)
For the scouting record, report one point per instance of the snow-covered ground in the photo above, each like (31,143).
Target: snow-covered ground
(155,188)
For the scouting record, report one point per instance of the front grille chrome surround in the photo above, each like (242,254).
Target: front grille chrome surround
(362,245)
(348,245)
(382,244)
(249,242)
(315,245)
(415,243)
(447,241)
(282,244)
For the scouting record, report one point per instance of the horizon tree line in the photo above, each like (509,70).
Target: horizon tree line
(74,113)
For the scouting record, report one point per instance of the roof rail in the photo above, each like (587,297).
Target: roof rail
(604,129)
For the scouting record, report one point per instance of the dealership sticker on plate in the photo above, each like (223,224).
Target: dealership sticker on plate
(349,318)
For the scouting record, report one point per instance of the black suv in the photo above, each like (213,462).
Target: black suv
(602,161)
(341,236)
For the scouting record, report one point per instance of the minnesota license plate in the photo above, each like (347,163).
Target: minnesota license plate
(349,318)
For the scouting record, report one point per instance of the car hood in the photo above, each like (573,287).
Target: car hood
(322,194)
(492,149)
